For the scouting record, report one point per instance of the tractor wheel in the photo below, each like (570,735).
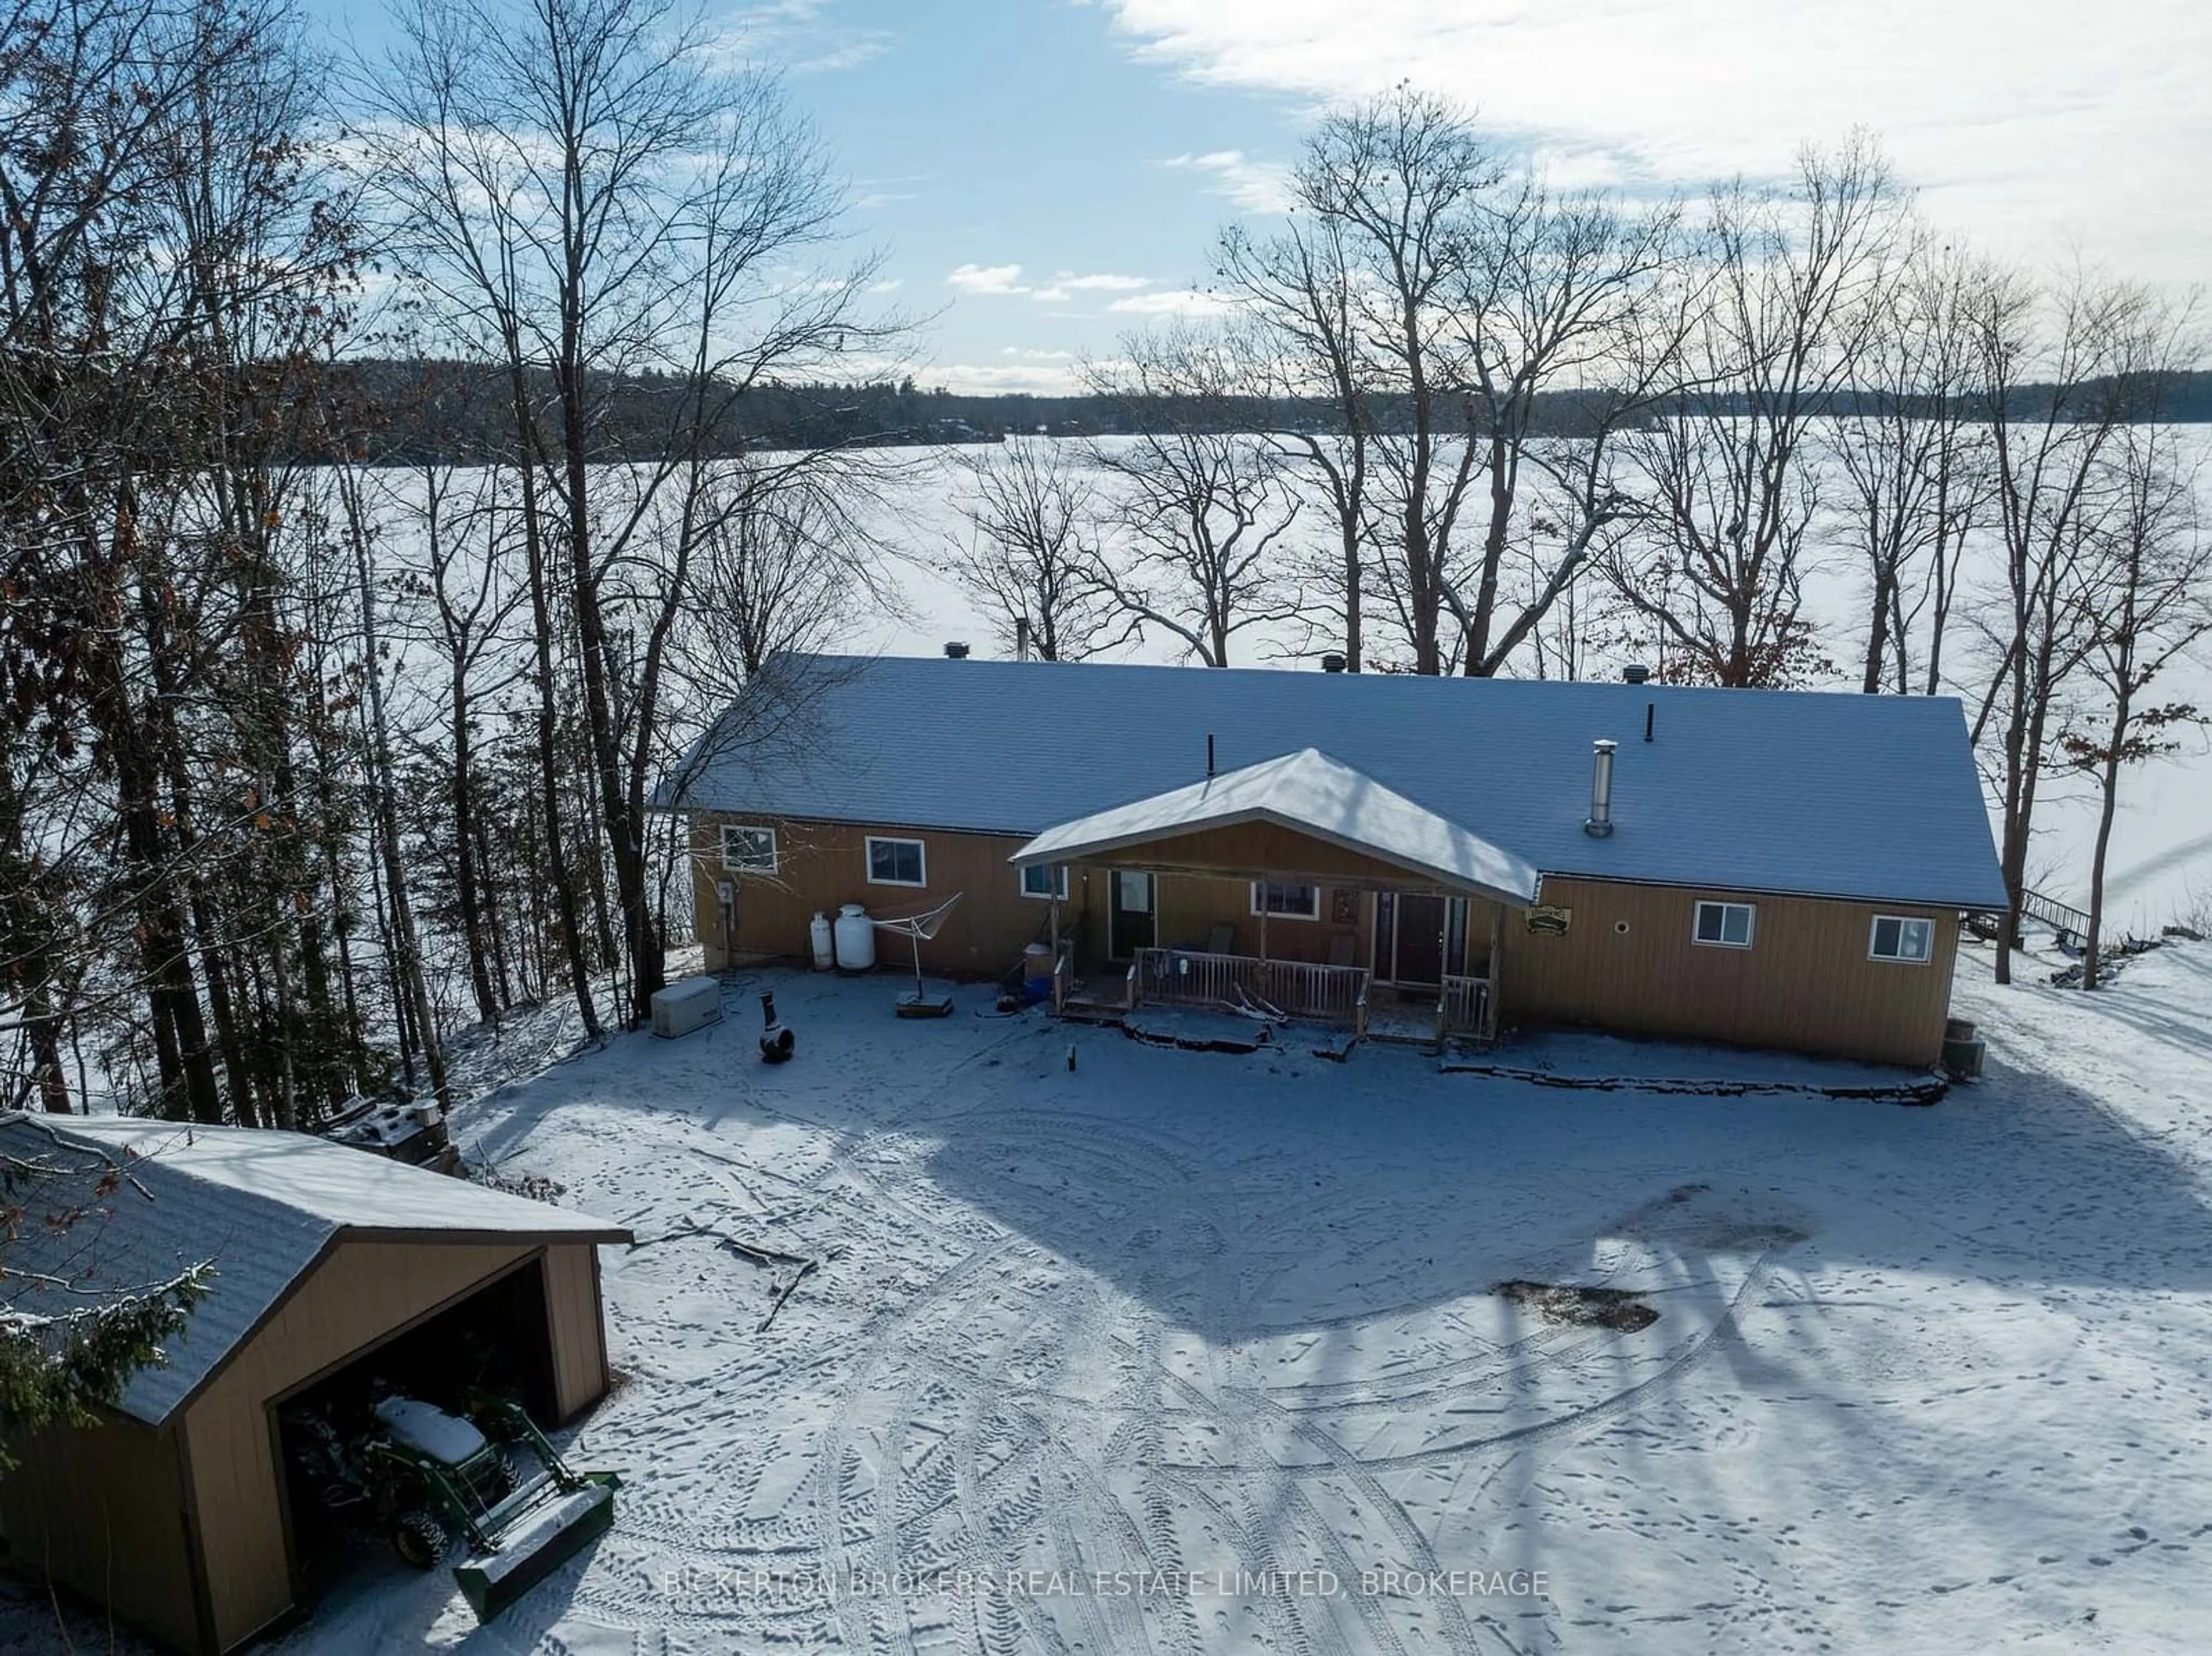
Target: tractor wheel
(419,1537)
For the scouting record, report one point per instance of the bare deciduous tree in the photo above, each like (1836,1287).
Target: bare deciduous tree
(1799,279)
(585,193)
(1296,291)
(1912,449)
(2155,586)
(1399,180)
(1572,298)
(2064,371)
(1199,500)
(1031,558)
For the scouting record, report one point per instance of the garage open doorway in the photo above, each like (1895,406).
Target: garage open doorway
(494,1342)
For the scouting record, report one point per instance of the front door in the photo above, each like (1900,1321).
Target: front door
(1133,922)
(1420,939)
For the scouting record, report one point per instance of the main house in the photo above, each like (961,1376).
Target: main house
(1773,868)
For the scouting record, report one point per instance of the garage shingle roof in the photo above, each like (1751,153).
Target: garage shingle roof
(262,1204)
(1817,793)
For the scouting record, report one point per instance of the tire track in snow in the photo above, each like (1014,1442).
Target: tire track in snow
(829,1459)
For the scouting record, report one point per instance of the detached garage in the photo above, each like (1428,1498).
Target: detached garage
(332,1265)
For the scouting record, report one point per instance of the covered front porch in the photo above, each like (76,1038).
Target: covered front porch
(1295,889)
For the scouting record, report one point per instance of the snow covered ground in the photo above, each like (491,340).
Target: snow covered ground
(1085,1344)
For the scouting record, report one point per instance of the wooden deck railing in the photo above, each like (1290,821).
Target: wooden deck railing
(1460,1005)
(1335,994)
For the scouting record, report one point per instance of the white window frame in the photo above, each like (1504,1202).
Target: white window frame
(751,864)
(1260,900)
(1697,926)
(921,858)
(1901,921)
(1060,885)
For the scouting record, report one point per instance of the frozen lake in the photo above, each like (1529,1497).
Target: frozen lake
(2161,858)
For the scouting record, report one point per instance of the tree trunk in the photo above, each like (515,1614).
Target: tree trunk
(561,875)
(386,811)
(641,947)
(1878,627)
(467,895)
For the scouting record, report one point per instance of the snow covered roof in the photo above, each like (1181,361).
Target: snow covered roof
(1817,792)
(263,1205)
(1313,794)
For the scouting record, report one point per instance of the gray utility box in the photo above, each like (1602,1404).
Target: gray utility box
(693,1003)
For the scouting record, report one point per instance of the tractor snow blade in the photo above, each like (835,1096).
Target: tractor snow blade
(538,1542)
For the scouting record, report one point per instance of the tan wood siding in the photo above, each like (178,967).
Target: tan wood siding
(1628,962)
(361,1292)
(572,1308)
(823,865)
(120,1535)
(1192,905)
(1264,847)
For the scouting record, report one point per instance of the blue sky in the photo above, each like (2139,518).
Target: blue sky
(1045,174)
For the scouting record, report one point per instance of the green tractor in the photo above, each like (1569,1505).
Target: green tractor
(427,1478)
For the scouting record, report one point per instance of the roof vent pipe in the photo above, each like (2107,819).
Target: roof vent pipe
(1209,755)
(1601,817)
(956,652)
(1021,638)
(1636,673)
(1332,663)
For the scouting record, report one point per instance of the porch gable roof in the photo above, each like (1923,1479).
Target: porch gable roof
(1310,793)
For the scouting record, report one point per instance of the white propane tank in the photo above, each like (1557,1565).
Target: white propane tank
(856,939)
(819,934)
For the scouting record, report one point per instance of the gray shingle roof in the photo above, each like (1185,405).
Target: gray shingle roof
(261,1204)
(1821,793)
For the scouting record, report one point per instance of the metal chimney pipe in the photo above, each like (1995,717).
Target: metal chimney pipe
(1600,823)
(1021,638)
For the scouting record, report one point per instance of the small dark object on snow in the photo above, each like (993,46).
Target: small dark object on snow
(1589,1307)
(1071,1058)
(775,1042)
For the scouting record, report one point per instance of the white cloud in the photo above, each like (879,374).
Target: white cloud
(1105,281)
(997,279)
(888,285)
(1256,186)
(796,35)
(1040,378)
(1003,280)
(2029,124)
(1182,301)
(1067,284)
(1028,353)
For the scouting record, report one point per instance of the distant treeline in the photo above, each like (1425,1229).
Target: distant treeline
(411,411)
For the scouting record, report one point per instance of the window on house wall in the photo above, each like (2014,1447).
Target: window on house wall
(1725,926)
(747,849)
(1896,938)
(1045,880)
(1286,901)
(895,862)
